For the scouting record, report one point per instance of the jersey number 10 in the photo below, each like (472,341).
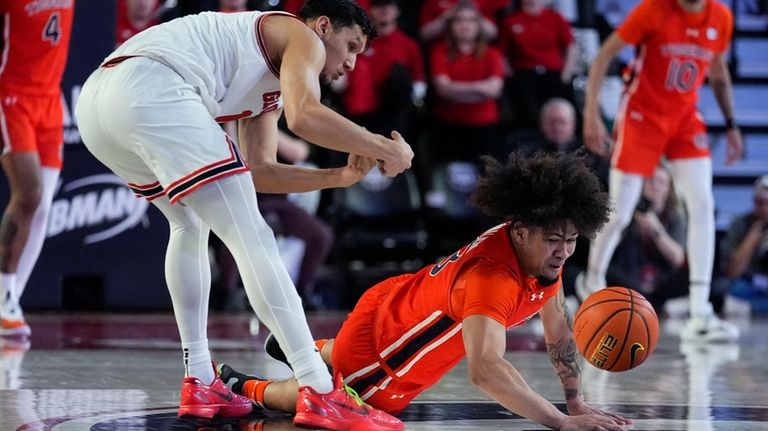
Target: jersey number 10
(681,75)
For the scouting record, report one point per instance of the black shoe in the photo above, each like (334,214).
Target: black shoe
(273,349)
(234,379)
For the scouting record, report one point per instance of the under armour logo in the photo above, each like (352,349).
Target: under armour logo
(537,296)
(692,32)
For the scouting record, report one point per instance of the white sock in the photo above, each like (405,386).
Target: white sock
(624,190)
(9,302)
(37,230)
(229,207)
(699,300)
(197,361)
(694,178)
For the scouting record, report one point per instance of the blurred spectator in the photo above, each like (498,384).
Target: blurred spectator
(557,123)
(388,77)
(467,77)
(744,252)
(233,6)
(539,46)
(134,16)
(289,219)
(651,256)
(293,6)
(557,132)
(435,14)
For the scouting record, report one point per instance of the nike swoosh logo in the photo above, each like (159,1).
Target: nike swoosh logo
(226,395)
(360,411)
(633,349)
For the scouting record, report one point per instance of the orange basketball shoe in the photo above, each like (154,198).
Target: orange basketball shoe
(207,401)
(14,327)
(341,410)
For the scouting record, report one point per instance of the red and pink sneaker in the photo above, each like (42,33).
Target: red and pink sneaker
(207,401)
(341,410)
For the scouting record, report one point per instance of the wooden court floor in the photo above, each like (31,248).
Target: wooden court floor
(123,372)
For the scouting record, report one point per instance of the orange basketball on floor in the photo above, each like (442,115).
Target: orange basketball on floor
(616,329)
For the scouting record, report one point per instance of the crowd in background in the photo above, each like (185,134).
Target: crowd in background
(461,79)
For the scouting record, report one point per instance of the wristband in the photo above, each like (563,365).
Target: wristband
(730,123)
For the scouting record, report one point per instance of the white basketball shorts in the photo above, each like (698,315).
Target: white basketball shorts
(144,122)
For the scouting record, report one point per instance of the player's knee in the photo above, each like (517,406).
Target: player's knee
(27,201)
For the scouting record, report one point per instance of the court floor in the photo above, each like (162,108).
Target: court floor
(123,372)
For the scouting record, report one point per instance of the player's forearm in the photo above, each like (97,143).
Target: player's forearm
(723,90)
(596,75)
(565,359)
(282,178)
(500,381)
(326,128)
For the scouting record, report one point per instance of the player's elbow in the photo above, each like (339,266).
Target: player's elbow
(296,120)
(481,373)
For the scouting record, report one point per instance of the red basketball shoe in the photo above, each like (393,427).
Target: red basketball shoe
(341,410)
(206,401)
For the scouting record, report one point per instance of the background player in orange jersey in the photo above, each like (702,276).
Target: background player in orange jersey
(407,332)
(35,40)
(679,43)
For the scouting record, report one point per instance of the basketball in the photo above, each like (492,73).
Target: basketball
(616,329)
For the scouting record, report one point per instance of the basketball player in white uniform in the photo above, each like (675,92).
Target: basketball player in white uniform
(151,112)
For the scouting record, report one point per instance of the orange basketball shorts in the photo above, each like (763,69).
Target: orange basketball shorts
(643,136)
(355,355)
(30,124)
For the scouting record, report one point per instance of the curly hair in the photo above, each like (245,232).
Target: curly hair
(342,13)
(545,190)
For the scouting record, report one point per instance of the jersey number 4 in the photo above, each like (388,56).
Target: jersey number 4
(52,30)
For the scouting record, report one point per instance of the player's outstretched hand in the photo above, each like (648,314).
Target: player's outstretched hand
(592,423)
(596,135)
(357,167)
(400,159)
(594,415)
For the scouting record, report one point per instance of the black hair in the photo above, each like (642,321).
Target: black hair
(342,13)
(545,190)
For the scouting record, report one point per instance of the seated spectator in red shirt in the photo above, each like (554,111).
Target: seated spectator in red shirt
(468,79)
(388,77)
(541,52)
(134,16)
(433,23)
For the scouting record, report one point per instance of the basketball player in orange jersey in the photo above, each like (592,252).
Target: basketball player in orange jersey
(679,43)
(407,332)
(35,40)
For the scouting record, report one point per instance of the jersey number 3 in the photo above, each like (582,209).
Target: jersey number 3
(52,30)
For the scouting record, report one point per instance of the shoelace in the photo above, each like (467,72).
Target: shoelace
(353,394)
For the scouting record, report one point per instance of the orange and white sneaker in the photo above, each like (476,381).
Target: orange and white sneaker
(207,401)
(341,410)
(14,327)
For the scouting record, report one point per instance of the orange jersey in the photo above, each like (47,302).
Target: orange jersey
(418,325)
(34,47)
(674,50)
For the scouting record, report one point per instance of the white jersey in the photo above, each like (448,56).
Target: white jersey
(222,55)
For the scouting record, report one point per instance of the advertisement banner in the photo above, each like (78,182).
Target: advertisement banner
(105,248)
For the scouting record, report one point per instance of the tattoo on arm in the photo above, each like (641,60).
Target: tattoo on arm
(565,359)
(563,306)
